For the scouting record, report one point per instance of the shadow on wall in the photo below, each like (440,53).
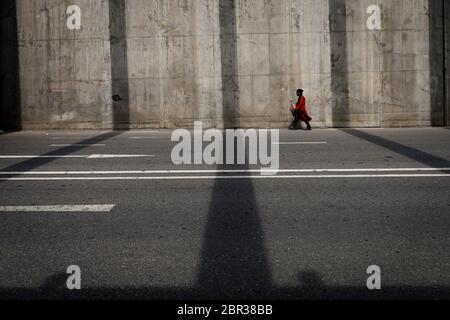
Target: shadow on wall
(339,63)
(229,60)
(436,58)
(119,65)
(446,10)
(10,111)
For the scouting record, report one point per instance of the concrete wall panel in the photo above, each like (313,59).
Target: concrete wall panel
(64,74)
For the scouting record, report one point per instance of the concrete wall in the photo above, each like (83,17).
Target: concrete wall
(64,75)
(412,60)
(230,63)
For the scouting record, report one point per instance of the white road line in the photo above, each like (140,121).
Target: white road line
(141,138)
(92,156)
(232,177)
(59,208)
(221,171)
(76,145)
(304,142)
(32,157)
(109,156)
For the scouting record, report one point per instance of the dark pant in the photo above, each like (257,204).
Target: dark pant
(296,122)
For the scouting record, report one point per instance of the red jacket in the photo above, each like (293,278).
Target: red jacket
(301,107)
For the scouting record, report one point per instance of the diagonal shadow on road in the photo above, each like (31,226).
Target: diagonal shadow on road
(409,152)
(33,163)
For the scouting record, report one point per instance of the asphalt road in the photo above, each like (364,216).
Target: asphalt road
(303,234)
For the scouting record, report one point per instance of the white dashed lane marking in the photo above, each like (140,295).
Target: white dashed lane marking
(87,156)
(76,145)
(59,208)
(301,142)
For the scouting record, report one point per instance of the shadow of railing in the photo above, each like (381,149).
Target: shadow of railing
(33,163)
(310,287)
(233,257)
(409,152)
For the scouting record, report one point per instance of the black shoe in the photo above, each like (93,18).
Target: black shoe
(294,125)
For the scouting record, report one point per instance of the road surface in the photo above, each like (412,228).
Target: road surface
(140,227)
